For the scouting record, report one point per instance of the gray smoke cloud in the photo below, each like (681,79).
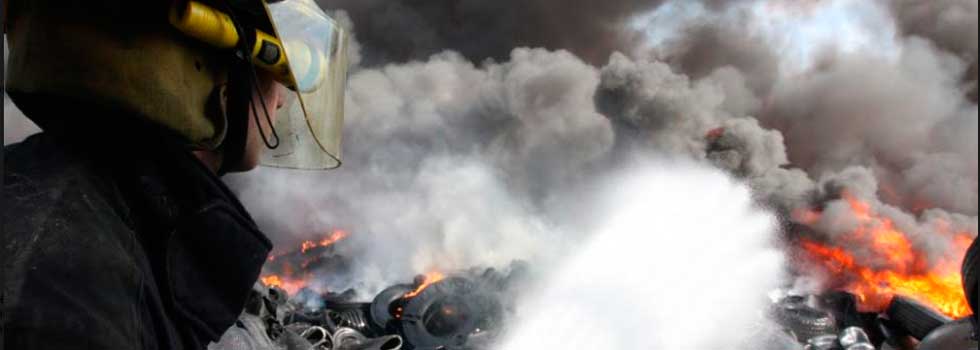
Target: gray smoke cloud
(898,110)
(704,47)
(451,163)
(445,164)
(907,120)
(949,24)
(399,31)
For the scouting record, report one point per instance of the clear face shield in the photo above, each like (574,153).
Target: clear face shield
(310,123)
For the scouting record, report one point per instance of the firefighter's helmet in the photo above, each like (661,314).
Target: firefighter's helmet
(163,60)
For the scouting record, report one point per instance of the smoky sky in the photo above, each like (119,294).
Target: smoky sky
(950,24)
(401,30)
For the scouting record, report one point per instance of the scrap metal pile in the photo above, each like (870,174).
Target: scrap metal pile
(467,311)
(436,312)
(833,322)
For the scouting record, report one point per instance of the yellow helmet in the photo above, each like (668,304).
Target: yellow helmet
(117,54)
(165,60)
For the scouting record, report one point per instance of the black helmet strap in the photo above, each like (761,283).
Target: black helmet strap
(243,86)
(238,93)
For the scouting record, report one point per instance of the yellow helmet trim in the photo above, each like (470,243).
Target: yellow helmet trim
(217,29)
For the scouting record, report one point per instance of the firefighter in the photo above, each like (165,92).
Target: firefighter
(118,232)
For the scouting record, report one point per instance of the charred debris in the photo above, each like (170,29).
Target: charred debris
(469,310)
(463,311)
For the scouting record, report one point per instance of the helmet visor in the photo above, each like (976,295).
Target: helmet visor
(310,123)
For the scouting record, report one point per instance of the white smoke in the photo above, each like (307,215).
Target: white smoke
(682,260)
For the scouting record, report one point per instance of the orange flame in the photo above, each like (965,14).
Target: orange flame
(890,265)
(289,285)
(430,279)
(334,237)
(287,279)
(272,281)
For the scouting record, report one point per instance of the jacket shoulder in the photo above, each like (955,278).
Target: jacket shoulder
(70,272)
(49,188)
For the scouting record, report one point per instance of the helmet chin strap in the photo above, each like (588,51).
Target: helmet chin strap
(238,101)
(243,81)
(265,111)
(253,80)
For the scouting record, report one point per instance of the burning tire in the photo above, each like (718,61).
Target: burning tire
(953,335)
(917,319)
(804,321)
(382,314)
(446,314)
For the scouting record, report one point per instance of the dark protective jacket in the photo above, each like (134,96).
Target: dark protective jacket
(120,243)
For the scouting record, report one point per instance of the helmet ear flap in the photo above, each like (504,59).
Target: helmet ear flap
(238,96)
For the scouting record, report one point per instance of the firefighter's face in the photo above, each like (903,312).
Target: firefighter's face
(274,94)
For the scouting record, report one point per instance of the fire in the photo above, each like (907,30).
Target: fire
(308,245)
(334,237)
(287,279)
(272,281)
(889,265)
(289,285)
(430,279)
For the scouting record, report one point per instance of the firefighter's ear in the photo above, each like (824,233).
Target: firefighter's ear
(216,110)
